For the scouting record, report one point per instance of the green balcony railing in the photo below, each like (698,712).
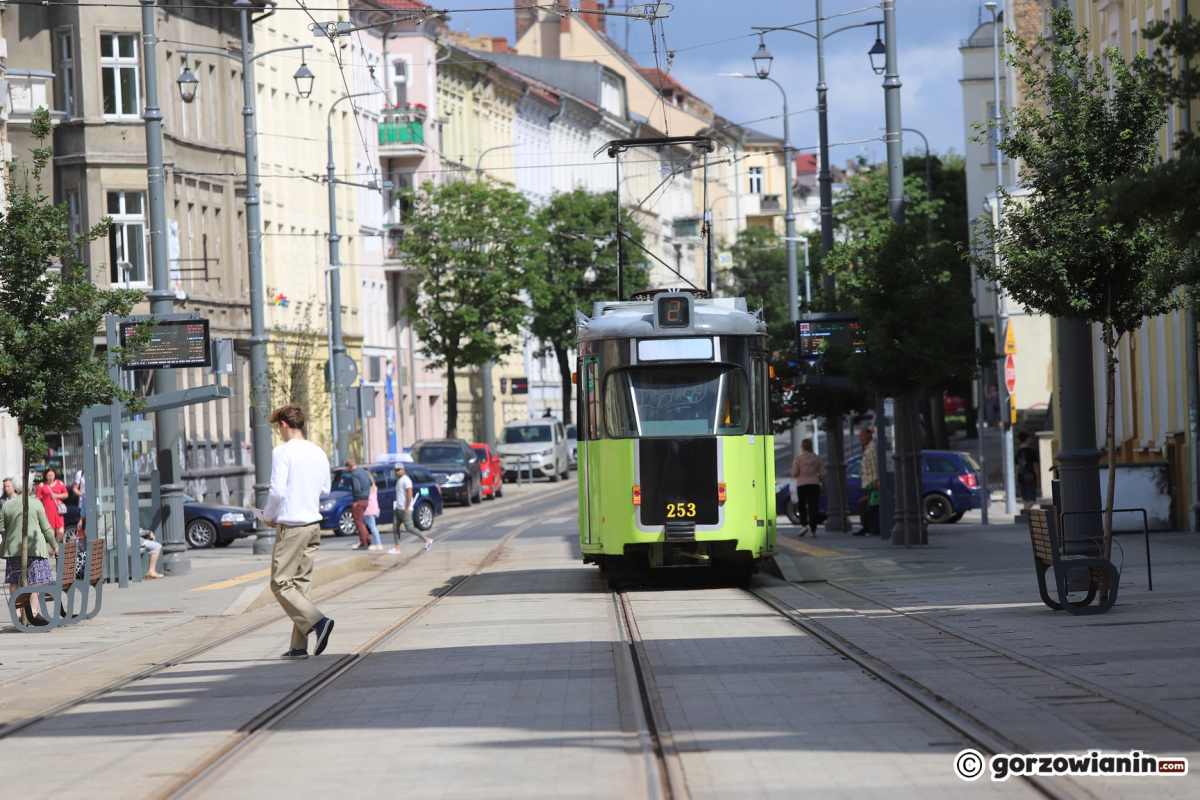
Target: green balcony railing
(406,132)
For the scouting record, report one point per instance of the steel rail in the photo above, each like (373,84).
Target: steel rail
(120,683)
(263,723)
(897,680)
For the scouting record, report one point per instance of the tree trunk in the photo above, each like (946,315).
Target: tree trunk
(936,413)
(1110,434)
(564,371)
(24,514)
(451,402)
(902,444)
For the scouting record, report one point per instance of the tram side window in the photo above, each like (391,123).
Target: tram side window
(760,395)
(591,401)
(676,401)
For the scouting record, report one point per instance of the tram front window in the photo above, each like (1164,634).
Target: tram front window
(676,401)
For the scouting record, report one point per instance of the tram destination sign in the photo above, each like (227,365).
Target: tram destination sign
(816,332)
(173,343)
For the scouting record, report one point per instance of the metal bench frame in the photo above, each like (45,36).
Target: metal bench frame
(65,591)
(1047,556)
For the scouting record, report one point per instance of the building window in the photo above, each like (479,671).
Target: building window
(66,69)
(119,74)
(127,239)
(74,220)
(756,180)
(400,82)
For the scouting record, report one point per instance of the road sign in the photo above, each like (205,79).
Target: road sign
(1010,374)
(1010,341)
(725,259)
(1012,405)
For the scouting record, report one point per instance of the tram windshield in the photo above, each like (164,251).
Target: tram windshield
(677,401)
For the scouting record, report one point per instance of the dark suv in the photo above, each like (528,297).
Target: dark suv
(453,465)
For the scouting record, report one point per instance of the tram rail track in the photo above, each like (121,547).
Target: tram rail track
(988,741)
(16,726)
(263,723)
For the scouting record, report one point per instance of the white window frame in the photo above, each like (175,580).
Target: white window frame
(398,79)
(124,225)
(65,46)
(757,177)
(119,64)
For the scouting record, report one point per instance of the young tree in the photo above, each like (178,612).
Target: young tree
(50,311)
(900,287)
(1086,123)
(294,374)
(575,266)
(470,244)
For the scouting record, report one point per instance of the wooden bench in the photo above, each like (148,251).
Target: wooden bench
(1048,555)
(62,594)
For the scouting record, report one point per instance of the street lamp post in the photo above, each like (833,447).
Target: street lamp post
(162,301)
(260,388)
(1010,481)
(337,347)
(488,400)
(762,66)
(837,520)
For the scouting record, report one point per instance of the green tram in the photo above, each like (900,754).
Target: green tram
(676,455)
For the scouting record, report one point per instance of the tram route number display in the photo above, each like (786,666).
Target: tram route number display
(173,343)
(673,312)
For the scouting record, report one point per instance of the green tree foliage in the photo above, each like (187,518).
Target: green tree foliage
(1165,194)
(575,265)
(1086,123)
(470,244)
(50,311)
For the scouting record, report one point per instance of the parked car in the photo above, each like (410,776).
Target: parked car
(491,470)
(212,525)
(454,466)
(335,506)
(536,447)
(573,446)
(949,487)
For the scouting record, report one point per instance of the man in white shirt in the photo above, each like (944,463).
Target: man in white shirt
(403,508)
(299,475)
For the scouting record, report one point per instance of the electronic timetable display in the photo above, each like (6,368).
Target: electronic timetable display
(173,343)
(674,312)
(815,333)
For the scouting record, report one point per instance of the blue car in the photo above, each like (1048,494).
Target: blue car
(335,506)
(949,487)
(212,525)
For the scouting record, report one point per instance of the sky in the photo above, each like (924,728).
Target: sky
(710,37)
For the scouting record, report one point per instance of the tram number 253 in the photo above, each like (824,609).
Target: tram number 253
(681,510)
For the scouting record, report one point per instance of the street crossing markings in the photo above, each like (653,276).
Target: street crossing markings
(512,523)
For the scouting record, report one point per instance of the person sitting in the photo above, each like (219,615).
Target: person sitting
(150,545)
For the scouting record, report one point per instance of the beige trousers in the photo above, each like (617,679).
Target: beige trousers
(291,578)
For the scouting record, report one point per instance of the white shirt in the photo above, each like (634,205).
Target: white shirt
(403,484)
(299,475)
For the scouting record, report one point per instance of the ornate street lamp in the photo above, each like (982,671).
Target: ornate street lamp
(187,84)
(878,49)
(762,59)
(304,80)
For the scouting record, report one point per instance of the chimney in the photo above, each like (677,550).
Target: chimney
(596,21)
(500,45)
(526,16)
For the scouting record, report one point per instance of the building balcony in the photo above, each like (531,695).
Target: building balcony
(401,136)
(391,252)
(770,203)
(27,90)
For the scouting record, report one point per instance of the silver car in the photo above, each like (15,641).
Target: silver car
(536,448)
(573,446)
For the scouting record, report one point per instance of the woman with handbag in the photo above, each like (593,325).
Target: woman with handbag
(370,517)
(52,492)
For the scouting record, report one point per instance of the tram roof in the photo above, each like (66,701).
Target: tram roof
(720,316)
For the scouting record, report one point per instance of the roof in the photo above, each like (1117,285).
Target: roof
(578,78)
(404,5)
(723,316)
(661,80)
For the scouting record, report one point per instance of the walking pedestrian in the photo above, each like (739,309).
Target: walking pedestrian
(52,492)
(39,545)
(299,476)
(7,492)
(1028,472)
(993,407)
(79,490)
(870,482)
(360,489)
(808,470)
(370,517)
(402,511)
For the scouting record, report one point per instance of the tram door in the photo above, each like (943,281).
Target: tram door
(589,461)
(764,494)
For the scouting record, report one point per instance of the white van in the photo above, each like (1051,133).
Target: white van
(536,448)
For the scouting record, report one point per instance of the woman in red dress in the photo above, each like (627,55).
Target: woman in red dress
(51,491)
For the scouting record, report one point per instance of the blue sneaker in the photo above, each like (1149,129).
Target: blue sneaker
(322,630)
(295,655)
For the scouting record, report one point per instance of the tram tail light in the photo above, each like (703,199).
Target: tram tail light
(637,495)
(720,493)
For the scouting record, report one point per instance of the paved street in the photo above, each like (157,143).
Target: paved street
(497,665)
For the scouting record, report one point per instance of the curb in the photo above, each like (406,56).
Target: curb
(256,597)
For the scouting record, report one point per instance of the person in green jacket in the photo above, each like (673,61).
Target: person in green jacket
(40,544)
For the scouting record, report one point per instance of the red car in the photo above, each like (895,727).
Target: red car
(493,473)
